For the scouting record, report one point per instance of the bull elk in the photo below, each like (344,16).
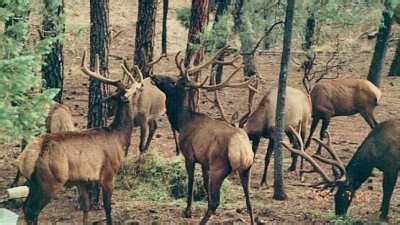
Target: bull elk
(261,123)
(219,147)
(149,107)
(80,158)
(380,149)
(342,98)
(59,119)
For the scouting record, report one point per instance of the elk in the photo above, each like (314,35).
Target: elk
(342,98)
(80,158)
(59,119)
(149,107)
(216,145)
(261,123)
(380,149)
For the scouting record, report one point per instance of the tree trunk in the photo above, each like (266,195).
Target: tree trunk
(164,28)
(375,69)
(279,193)
(145,33)
(221,9)
(99,45)
(53,26)
(243,26)
(197,24)
(395,67)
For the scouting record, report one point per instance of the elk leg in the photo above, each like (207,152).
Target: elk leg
(216,178)
(314,125)
(368,116)
(267,160)
(153,127)
(204,171)
(84,202)
(107,188)
(144,133)
(244,179)
(35,202)
(190,167)
(177,149)
(325,124)
(389,181)
(255,143)
(296,145)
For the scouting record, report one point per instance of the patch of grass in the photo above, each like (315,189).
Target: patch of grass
(342,220)
(156,178)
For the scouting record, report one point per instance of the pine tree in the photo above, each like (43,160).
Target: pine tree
(145,34)
(279,193)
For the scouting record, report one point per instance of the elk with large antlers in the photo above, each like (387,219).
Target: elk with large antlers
(80,158)
(219,147)
(261,123)
(380,149)
(342,98)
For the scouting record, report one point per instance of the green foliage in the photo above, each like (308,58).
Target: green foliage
(156,178)
(339,220)
(22,100)
(183,16)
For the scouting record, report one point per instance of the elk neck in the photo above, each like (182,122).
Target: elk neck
(358,170)
(181,107)
(122,126)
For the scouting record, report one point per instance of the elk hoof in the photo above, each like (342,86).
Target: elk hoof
(187,213)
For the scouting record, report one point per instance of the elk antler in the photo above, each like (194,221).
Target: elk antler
(329,182)
(96,74)
(192,69)
(148,64)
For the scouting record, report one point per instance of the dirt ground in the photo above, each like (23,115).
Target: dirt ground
(304,205)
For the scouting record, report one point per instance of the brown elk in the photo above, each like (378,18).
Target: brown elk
(149,107)
(219,147)
(342,98)
(380,149)
(59,119)
(261,123)
(80,158)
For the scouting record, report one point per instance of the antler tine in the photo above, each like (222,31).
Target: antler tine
(178,64)
(194,69)
(298,138)
(96,74)
(138,72)
(230,62)
(220,85)
(148,64)
(130,75)
(338,162)
(307,157)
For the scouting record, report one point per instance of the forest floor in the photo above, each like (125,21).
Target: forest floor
(130,205)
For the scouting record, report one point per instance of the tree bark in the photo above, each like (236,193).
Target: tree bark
(279,192)
(53,26)
(395,67)
(197,24)
(243,26)
(99,45)
(164,28)
(375,69)
(145,33)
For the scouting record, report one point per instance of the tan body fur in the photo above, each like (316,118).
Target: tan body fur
(261,123)
(342,98)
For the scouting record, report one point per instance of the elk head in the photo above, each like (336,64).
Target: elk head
(345,190)
(125,92)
